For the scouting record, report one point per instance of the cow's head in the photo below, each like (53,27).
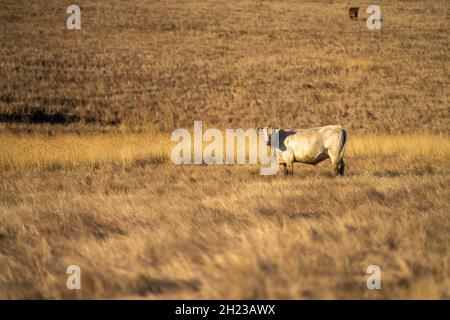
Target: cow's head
(267,133)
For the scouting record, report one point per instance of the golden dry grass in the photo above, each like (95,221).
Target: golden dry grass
(71,151)
(126,148)
(86,179)
(418,147)
(149,229)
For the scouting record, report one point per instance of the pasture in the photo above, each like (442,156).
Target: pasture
(140,227)
(85,170)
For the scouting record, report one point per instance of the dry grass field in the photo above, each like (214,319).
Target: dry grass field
(230,63)
(139,226)
(85,170)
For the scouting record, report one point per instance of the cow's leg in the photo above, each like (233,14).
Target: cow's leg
(292,169)
(288,157)
(285,169)
(339,167)
(337,162)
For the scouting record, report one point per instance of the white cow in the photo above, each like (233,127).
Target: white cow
(309,146)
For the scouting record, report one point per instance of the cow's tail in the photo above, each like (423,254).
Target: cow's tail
(342,143)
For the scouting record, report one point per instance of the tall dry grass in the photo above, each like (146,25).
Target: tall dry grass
(161,231)
(140,228)
(77,151)
(418,146)
(71,152)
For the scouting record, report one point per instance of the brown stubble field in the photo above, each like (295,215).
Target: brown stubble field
(86,177)
(228,63)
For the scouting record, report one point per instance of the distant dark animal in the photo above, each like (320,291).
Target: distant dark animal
(353,13)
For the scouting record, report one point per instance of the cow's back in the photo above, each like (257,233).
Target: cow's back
(332,135)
